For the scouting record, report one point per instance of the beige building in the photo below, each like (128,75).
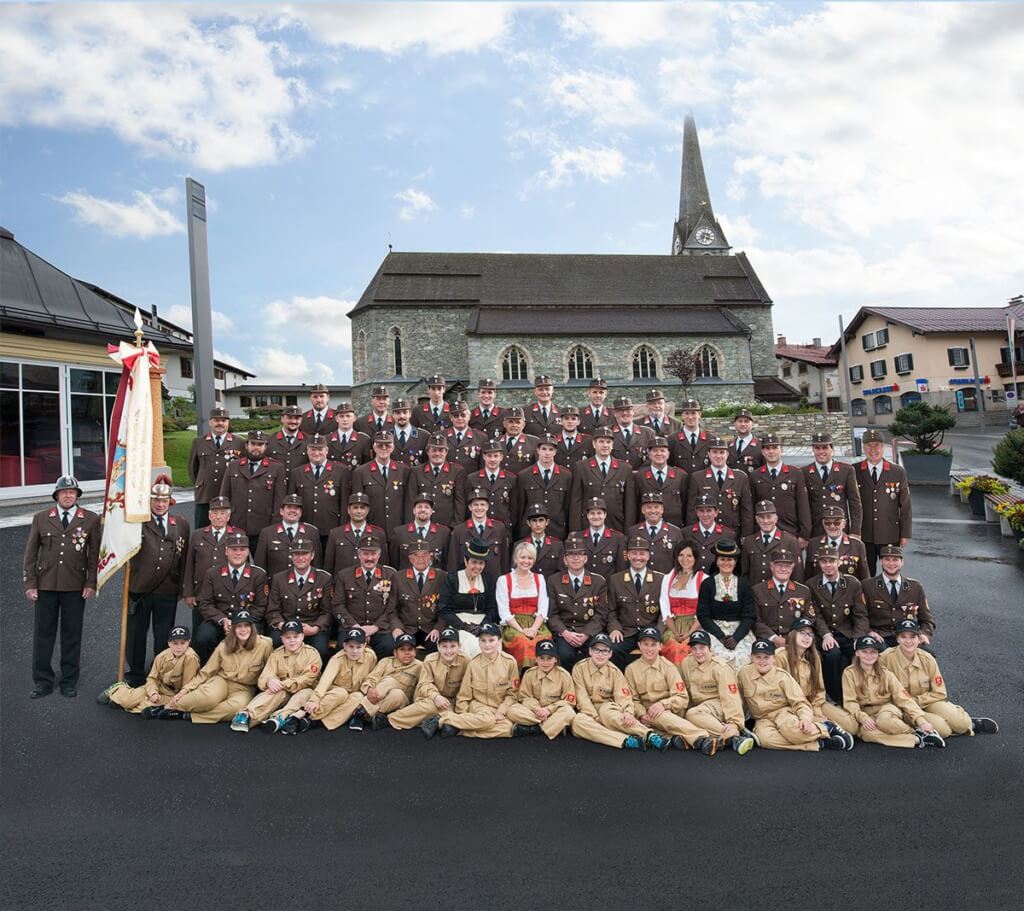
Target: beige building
(812,370)
(898,355)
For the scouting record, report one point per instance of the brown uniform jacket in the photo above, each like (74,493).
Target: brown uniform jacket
(841,490)
(159,565)
(207,464)
(920,675)
(465,452)
(255,497)
(387,498)
(616,489)
(568,454)
(440,679)
(328,423)
(756,558)
(243,667)
(413,451)
(843,612)
(550,690)
(634,451)
(503,494)
(59,559)
(595,686)
(343,546)
(735,503)
(658,682)
(309,604)
(522,454)
(663,545)
(448,490)
(667,425)
(589,423)
(853,556)
(629,610)
(777,609)
(714,679)
(765,695)
(750,459)
(608,555)
(704,546)
(495,533)
(549,555)
(887,511)
(423,417)
(356,449)
(884,612)
(297,670)
(490,426)
(584,611)
(204,553)
(342,673)
(217,599)
(691,459)
(415,609)
(367,424)
(324,500)
(403,538)
(291,456)
(362,599)
(673,491)
(788,491)
(554,495)
(169,674)
(536,426)
(864,699)
(490,680)
(273,546)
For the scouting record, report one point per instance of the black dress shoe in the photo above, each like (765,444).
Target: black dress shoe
(40,691)
(69,691)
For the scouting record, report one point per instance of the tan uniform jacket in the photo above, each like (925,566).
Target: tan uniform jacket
(735,503)
(840,490)
(714,679)
(595,686)
(255,496)
(169,674)
(788,491)
(207,464)
(777,608)
(242,667)
(547,691)
(344,673)
(673,489)
(297,671)
(843,612)
(813,690)
(387,498)
(343,546)
(853,556)
(884,612)
(440,679)
(448,490)
(584,611)
(205,551)
(492,680)
(630,610)
(323,500)
(884,688)
(362,599)
(920,676)
(273,547)
(310,604)
(658,682)
(159,565)
(404,676)
(887,511)
(415,609)
(217,598)
(59,559)
(766,695)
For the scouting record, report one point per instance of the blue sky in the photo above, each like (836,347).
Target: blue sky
(860,153)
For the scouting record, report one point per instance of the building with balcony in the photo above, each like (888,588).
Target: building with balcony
(812,370)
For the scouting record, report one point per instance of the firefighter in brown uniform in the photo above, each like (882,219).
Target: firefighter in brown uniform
(577,604)
(542,418)
(487,693)
(715,704)
(631,441)
(390,686)
(157,580)
(547,697)
(604,703)
(547,547)
(60,566)
(256,487)
(172,669)
(657,475)
(464,442)
(322,486)
(518,448)
(841,617)
(301,593)
(786,487)
(594,414)
(345,444)
(417,592)
(634,600)
(885,496)
(233,586)
(364,597)
(206,550)
(830,482)
(548,483)
(780,600)
(606,547)
(730,486)
(343,542)
(321,418)
(663,538)
(432,416)
(663,425)
(659,694)
(438,685)
(487,416)
(573,444)
(607,478)
(502,486)
(410,441)
(706,532)
(690,442)
(378,420)
(853,560)
(208,460)
(444,481)
(288,445)
(745,449)
(479,525)
(892,597)
(273,550)
(422,528)
(757,549)
(383,480)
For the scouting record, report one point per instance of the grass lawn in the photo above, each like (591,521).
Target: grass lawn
(176,448)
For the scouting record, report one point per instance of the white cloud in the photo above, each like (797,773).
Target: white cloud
(596,163)
(417,204)
(142,218)
(466,210)
(287,366)
(319,320)
(182,315)
(231,359)
(632,25)
(690,81)
(608,100)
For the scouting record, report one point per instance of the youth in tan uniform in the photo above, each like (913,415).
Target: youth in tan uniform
(440,678)
(715,704)
(547,697)
(175,666)
(390,685)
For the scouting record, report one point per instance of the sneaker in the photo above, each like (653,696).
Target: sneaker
(305,723)
(104,697)
(679,743)
(632,742)
(984,726)
(429,725)
(172,715)
(448,730)
(743,744)
(708,745)
(379,722)
(356,723)
(525,730)
(832,742)
(658,742)
(240,723)
(290,726)
(272,725)
(931,740)
(151,712)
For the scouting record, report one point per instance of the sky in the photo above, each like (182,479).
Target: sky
(859,153)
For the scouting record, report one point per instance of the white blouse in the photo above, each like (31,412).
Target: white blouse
(538,588)
(690,590)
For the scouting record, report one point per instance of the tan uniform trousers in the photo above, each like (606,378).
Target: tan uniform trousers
(678,726)
(134,699)
(837,715)
(892,731)
(552,726)
(782,732)
(392,698)
(608,728)
(216,700)
(405,719)
(479,721)
(336,706)
(946,717)
(264,704)
(708,716)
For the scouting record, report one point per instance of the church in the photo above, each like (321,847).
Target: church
(573,317)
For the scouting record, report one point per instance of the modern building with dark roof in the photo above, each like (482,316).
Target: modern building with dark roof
(512,316)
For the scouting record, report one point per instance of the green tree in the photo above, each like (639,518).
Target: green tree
(923,424)
(1008,456)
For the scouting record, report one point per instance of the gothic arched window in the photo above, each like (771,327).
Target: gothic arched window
(708,365)
(645,365)
(359,356)
(581,364)
(513,364)
(396,351)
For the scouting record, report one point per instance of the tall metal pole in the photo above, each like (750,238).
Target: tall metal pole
(846,370)
(979,391)
(1010,333)
(202,321)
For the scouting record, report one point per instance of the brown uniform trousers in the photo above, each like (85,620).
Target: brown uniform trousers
(788,491)
(589,422)
(691,459)
(704,540)
(884,612)
(813,687)
(537,426)
(324,499)
(663,544)
(714,694)
(297,670)
(495,533)
(226,682)
(756,556)
(888,516)
(845,616)
(351,448)
(273,548)
(415,610)
(503,494)
(735,504)
(554,691)
(549,555)
(602,699)
(490,425)
(841,489)
(448,490)
(608,555)
(554,495)
(750,459)
(630,610)
(207,464)
(290,455)
(255,497)
(522,454)
(166,677)
(387,498)
(616,490)
(881,696)
(403,538)
(464,448)
(423,417)
(635,449)
(853,560)
(672,489)
(205,551)
(661,682)
(573,449)
(921,677)
(778,705)
(489,686)
(777,609)
(338,691)
(437,679)
(412,450)
(328,423)
(393,682)
(342,551)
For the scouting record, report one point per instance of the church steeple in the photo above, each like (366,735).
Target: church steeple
(696,230)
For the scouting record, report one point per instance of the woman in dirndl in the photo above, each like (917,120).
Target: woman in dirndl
(679,590)
(522,598)
(467,598)
(726,609)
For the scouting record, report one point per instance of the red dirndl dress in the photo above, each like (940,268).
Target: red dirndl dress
(682,619)
(524,608)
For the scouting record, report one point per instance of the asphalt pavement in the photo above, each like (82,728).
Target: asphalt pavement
(104,810)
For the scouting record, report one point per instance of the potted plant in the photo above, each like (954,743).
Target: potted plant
(1011,515)
(925,426)
(976,486)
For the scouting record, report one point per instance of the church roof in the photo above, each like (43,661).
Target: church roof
(563,280)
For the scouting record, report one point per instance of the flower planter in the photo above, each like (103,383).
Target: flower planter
(976,500)
(926,468)
(965,497)
(990,512)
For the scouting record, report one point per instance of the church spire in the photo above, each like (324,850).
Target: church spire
(696,229)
